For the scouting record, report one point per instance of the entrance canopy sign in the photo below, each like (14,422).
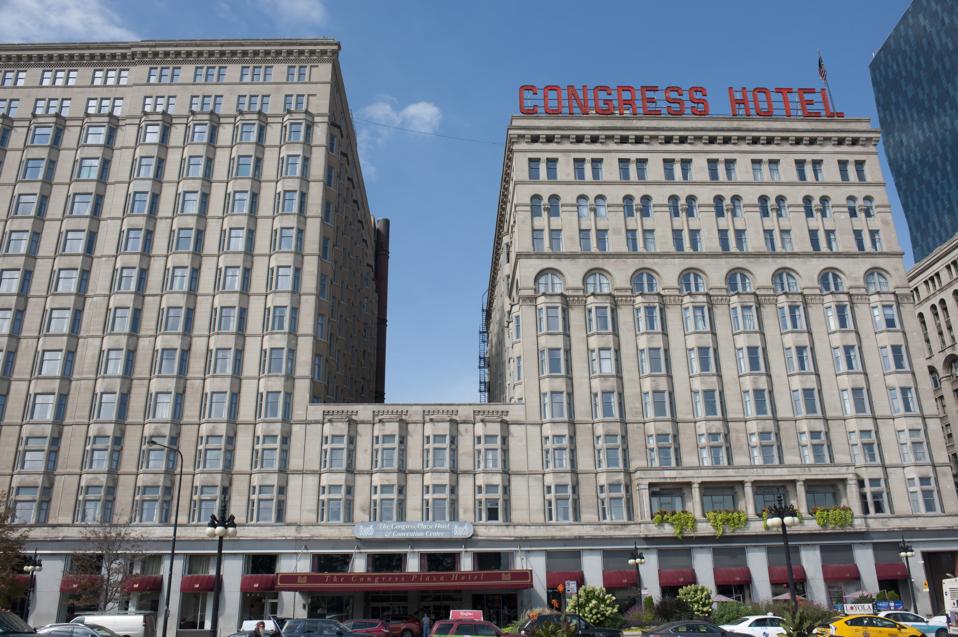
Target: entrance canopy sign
(412,530)
(442,581)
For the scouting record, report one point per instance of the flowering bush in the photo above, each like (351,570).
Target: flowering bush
(698,598)
(595,604)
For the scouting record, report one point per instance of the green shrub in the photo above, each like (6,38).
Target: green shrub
(554,629)
(698,598)
(730,612)
(803,621)
(837,517)
(682,522)
(596,605)
(648,604)
(723,521)
(670,609)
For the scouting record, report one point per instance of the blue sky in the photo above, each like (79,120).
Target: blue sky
(453,68)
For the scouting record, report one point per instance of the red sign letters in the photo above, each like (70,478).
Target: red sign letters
(655,101)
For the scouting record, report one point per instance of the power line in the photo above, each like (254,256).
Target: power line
(419,132)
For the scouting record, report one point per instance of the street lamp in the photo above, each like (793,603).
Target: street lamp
(637,560)
(31,566)
(906,552)
(176,517)
(219,527)
(782,516)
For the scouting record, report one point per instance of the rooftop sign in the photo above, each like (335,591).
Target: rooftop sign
(675,101)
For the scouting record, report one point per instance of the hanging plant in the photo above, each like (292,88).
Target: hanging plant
(765,518)
(723,521)
(836,517)
(682,522)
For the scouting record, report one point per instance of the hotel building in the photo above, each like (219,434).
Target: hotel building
(685,314)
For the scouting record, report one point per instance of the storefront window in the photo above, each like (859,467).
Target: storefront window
(386,563)
(439,562)
(331,563)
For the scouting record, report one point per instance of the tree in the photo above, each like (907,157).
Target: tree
(112,550)
(11,554)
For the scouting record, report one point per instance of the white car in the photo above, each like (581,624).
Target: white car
(757,626)
(933,627)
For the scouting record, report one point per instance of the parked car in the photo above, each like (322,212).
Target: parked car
(123,624)
(756,625)
(581,626)
(465,627)
(374,627)
(935,627)
(318,628)
(405,626)
(858,625)
(11,625)
(75,630)
(690,628)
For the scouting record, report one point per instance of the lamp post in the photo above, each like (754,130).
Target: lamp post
(781,516)
(906,552)
(219,527)
(31,566)
(637,560)
(176,517)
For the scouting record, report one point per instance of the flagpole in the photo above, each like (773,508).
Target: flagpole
(824,76)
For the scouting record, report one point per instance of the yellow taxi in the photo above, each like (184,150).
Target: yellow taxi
(866,626)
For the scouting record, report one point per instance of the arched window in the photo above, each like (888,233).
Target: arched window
(644,282)
(947,316)
(763,207)
(692,282)
(826,205)
(868,204)
(628,206)
(554,206)
(875,281)
(597,283)
(830,281)
(924,331)
(582,206)
(738,281)
(808,204)
(781,206)
(691,206)
(719,203)
(784,281)
(646,203)
(852,205)
(674,206)
(549,283)
(536,204)
(935,378)
(601,209)
(737,210)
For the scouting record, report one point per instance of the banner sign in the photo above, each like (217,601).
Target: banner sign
(412,530)
(358,582)
(859,609)
(676,101)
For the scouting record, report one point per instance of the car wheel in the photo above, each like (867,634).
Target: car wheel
(406,633)
(941,632)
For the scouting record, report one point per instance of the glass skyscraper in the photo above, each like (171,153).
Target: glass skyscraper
(915,76)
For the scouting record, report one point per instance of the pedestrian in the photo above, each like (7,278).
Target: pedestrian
(425,623)
(260,630)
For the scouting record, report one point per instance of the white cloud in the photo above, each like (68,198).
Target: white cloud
(419,117)
(63,20)
(299,12)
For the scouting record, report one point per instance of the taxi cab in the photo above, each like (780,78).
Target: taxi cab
(866,626)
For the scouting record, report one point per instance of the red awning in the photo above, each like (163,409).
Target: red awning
(840,572)
(619,579)
(73,583)
(555,578)
(730,575)
(258,583)
(198,584)
(422,581)
(779,574)
(676,576)
(143,583)
(22,580)
(891,570)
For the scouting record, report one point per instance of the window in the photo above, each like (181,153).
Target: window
(846,358)
(784,281)
(695,318)
(655,404)
(885,316)
(893,358)
(750,359)
(755,402)
(492,503)
(152,505)
(743,318)
(872,494)
(838,317)
(558,452)
(705,403)
(922,495)
(605,404)
(549,283)
(843,169)
(597,283)
(387,503)
(911,445)
(854,401)
(863,447)
(739,281)
(701,360)
(38,453)
(596,165)
(271,452)
(267,504)
(295,102)
(830,281)
(613,502)
(757,170)
(647,318)
(718,499)
(902,400)
(206,502)
(561,503)
(814,447)
(692,282)
(763,447)
(555,405)
(805,402)
(651,361)
(389,451)
(798,360)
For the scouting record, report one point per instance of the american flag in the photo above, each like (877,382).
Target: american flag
(822,73)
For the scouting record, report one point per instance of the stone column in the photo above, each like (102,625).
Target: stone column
(757,560)
(289,600)
(815,587)
(230,602)
(642,512)
(45,596)
(466,560)
(650,574)
(749,500)
(592,566)
(536,561)
(697,500)
(865,561)
(702,562)
(851,494)
(800,495)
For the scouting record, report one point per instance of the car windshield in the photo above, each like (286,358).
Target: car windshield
(102,631)
(360,624)
(10,624)
(313,626)
(442,628)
